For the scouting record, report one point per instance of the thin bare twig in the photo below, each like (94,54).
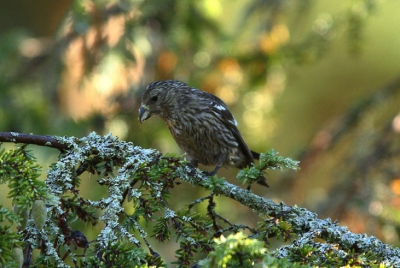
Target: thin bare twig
(40,140)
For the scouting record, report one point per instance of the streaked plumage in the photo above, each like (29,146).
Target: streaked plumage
(200,123)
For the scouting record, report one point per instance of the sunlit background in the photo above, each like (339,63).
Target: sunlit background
(319,81)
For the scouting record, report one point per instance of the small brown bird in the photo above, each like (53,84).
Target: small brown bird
(200,123)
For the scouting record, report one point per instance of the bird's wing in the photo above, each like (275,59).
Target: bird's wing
(220,109)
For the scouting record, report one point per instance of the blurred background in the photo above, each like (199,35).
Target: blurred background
(319,81)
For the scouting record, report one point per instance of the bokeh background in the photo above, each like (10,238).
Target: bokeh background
(319,81)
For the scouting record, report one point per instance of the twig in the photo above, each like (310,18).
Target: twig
(211,212)
(48,141)
(197,201)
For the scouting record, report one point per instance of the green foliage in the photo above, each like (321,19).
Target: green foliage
(237,250)
(120,254)
(9,238)
(20,172)
(276,228)
(214,182)
(269,160)
(329,256)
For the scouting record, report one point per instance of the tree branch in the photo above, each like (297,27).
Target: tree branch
(134,160)
(304,223)
(48,141)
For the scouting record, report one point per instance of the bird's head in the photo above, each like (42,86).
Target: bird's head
(160,98)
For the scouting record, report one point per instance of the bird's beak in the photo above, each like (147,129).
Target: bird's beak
(144,113)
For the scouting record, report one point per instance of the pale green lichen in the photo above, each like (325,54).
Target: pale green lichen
(169,213)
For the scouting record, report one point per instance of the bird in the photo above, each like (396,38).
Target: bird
(200,123)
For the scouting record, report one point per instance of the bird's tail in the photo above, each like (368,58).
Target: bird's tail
(262,181)
(255,155)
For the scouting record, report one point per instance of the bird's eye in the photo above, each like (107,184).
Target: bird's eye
(154,98)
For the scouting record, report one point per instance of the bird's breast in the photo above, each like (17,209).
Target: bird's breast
(205,139)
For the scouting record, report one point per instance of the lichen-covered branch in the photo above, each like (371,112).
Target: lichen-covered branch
(143,178)
(303,223)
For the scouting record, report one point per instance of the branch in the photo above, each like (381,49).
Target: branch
(304,223)
(48,141)
(135,163)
